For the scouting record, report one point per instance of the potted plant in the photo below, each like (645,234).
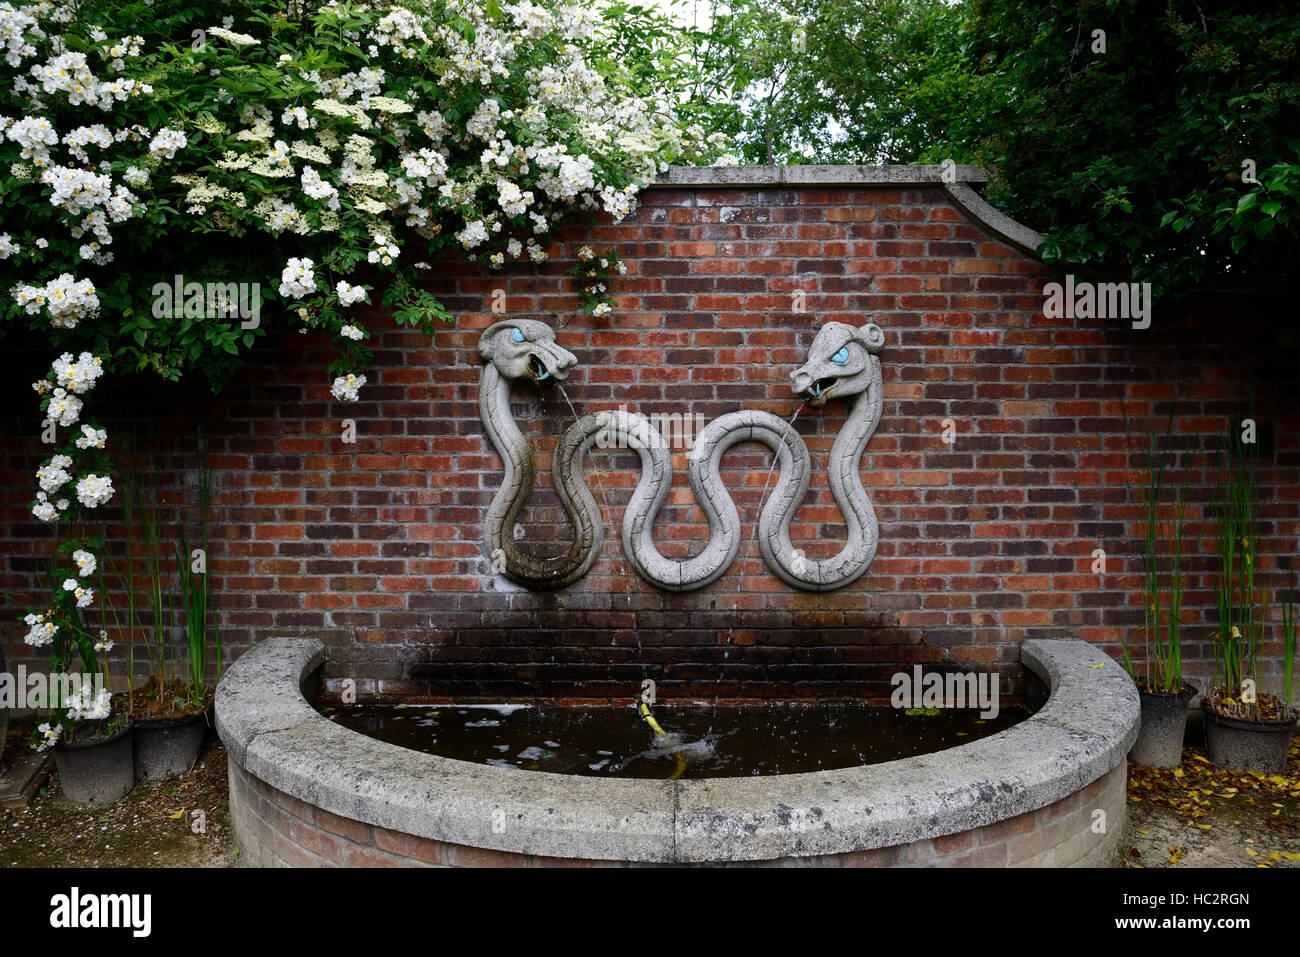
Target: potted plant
(93,750)
(1245,727)
(1164,693)
(171,709)
(93,747)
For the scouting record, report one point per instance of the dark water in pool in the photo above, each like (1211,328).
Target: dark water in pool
(616,742)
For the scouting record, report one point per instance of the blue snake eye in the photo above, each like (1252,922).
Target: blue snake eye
(842,356)
(516,335)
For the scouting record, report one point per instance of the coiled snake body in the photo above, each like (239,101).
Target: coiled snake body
(842,363)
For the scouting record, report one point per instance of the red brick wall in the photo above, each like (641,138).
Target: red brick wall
(376,547)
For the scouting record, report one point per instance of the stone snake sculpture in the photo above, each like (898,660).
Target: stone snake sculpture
(843,363)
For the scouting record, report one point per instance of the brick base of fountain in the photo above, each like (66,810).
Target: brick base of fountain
(1049,791)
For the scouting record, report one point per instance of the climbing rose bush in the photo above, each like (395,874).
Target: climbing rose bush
(254,143)
(164,160)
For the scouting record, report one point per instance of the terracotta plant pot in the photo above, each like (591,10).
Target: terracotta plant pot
(167,746)
(97,772)
(1248,745)
(1164,719)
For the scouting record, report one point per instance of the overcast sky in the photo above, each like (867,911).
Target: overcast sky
(685,12)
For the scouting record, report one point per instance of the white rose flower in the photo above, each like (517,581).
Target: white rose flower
(298,279)
(346,387)
(94,490)
(49,735)
(85,562)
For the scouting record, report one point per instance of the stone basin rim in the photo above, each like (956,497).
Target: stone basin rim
(1084,730)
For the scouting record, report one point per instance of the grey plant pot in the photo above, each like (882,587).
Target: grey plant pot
(1248,745)
(1164,720)
(167,746)
(96,772)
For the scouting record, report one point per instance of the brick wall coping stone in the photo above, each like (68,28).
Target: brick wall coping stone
(956,184)
(1084,730)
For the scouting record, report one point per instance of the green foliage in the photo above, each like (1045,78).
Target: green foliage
(1127,159)
(1131,159)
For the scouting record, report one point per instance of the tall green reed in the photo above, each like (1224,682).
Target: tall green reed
(195,594)
(1236,536)
(1162,666)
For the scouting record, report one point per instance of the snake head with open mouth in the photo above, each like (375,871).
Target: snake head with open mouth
(838,363)
(525,349)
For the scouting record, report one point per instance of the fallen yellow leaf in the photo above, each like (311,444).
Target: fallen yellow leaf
(178,815)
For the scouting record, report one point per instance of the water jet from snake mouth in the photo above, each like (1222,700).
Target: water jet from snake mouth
(740,576)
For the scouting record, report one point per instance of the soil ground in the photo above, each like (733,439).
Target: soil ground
(156,825)
(1195,815)
(1198,815)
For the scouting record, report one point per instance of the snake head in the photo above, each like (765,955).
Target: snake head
(525,349)
(838,363)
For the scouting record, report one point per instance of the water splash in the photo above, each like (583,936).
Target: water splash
(607,517)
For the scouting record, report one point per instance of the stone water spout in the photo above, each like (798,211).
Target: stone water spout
(525,349)
(842,363)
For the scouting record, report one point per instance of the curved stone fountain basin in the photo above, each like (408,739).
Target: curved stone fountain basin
(1049,791)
